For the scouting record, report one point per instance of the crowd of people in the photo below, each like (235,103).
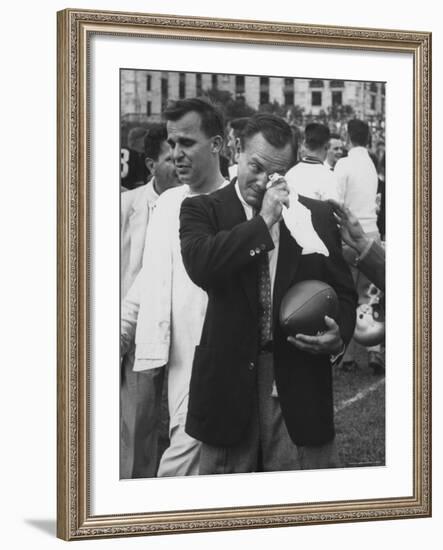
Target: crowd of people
(219,222)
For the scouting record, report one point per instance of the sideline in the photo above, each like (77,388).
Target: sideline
(359,396)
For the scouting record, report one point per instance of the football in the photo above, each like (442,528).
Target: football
(304,307)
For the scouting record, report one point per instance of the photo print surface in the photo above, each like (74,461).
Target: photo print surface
(252,273)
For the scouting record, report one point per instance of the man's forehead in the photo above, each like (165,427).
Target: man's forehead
(335,142)
(258,145)
(189,123)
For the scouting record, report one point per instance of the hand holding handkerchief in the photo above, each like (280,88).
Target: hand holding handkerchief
(298,220)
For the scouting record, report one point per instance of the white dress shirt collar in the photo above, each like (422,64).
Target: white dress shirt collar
(249,211)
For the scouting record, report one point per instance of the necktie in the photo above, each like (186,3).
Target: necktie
(264,300)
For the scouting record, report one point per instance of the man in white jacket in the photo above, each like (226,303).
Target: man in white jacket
(164,308)
(141,394)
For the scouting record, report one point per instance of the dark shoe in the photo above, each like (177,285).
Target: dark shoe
(377,369)
(349,366)
(376,363)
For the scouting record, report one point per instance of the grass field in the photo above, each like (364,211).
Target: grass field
(359,399)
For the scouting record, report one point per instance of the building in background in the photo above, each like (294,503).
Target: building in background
(144,95)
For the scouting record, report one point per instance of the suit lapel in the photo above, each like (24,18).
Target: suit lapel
(231,211)
(231,214)
(288,260)
(249,279)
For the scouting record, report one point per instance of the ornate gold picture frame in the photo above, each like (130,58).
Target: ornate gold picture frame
(75,516)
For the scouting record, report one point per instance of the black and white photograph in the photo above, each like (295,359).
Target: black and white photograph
(252,273)
(238,290)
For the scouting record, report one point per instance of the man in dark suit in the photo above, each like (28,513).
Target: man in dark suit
(258,400)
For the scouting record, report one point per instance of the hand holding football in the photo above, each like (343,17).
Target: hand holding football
(304,307)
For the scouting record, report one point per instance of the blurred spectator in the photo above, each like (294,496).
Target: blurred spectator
(224,166)
(134,171)
(141,392)
(235,128)
(381,194)
(357,177)
(310,177)
(357,185)
(334,152)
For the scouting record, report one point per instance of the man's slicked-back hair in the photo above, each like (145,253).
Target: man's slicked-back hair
(238,125)
(212,122)
(274,129)
(316,136)
(154,138)
(358,132)
(135,134)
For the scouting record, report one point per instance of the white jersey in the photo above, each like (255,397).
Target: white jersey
(357,184)
(313,180)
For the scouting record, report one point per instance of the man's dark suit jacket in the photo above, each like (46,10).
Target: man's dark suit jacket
(220,251)
(373,265)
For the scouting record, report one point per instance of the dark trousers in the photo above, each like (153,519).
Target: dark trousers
(140,406)
(267,446)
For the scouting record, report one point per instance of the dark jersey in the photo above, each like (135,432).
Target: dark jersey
(133,171)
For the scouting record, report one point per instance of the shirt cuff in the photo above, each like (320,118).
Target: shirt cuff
(334,359)
(365,251)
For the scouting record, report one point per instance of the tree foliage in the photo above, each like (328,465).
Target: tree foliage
(230,107)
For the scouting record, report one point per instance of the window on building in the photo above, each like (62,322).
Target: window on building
(264,90)
(288,91)
(337,98)
(148,83)
(373,87)
(264,97)
(239,84)
(214,81)
(373,102)
(164,91)
(316,83)
(182,86)
(316,99)
(198,83)
(289,98)
(337,84)
(148,108)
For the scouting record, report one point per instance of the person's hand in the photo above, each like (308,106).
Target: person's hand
(328,342)
(274,198)
(351,231)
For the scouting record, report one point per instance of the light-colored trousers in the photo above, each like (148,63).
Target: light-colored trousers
(182,456)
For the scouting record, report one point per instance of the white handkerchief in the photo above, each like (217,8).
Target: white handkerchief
(298,220)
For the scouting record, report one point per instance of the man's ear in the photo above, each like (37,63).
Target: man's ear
(237,148)
(149,163)
(217,144)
